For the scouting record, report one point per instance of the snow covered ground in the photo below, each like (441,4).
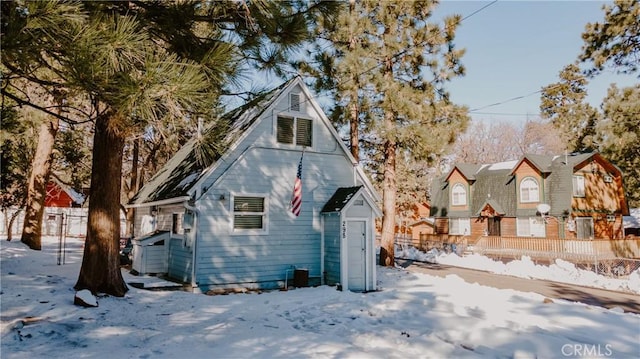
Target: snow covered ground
(560,271)
(411,316)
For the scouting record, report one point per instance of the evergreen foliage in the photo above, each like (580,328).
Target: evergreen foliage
(615,42)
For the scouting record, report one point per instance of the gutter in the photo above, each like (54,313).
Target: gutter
(159,203)
(194,244)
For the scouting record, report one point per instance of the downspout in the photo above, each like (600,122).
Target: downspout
(194,244)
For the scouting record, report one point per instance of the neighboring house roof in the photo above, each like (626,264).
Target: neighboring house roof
(428,221)
(73,195)
(495,184)
(186,167)
(493,204)
(467,170)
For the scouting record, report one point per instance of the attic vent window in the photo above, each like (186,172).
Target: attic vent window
(358,202)
(608,178)
(294,102)
(297,131)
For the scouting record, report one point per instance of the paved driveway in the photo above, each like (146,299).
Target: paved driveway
(601,297)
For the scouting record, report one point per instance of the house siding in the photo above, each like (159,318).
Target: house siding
(604,201)
(227,258)
(332,248)
(180,260)
(259,165)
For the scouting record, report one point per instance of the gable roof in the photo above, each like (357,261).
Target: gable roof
(494,185)
(466,169)
(73,195)
(186,170)
(187,166)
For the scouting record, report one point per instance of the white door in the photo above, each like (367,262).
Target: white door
(356,235)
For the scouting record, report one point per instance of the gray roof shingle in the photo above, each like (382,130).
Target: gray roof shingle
(185,168)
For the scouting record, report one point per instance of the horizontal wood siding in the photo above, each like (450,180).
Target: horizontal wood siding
(180,259)
(356,211)
(165,216)
(140,212)
(228,258)
(154,259)
(332,248)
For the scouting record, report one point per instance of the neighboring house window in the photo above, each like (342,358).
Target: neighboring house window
(584,228)
(459,226)
(249,213)
(529,190)
(294,130)
(458,195)
(578,186)
(531,227)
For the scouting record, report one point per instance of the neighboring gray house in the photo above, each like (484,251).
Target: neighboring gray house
(227,206)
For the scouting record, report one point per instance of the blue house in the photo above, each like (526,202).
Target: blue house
(225,199)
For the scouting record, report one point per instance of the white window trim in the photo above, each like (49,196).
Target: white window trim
(462,230)
(533,221)
(265,214)
(574,191)
(295,118)
(300,102)
(529,200)
(453,198)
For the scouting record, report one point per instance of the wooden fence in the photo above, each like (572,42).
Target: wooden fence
(575,249)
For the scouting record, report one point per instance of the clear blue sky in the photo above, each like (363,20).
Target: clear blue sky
(514,48)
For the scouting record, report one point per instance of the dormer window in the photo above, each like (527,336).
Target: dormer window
(458,195)
(297,131)
(529,190)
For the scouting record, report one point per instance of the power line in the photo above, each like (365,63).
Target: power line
(400,53)
(505,101)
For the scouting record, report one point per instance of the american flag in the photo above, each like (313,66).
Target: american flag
(296,196)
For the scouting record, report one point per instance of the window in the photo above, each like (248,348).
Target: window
(294,102)
(458,195)
(298,131)
(529,190)
(578,186)
(177,223)
(249,214)
(531,227)
(459,226)
(584,228)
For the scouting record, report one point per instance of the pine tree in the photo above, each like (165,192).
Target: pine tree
(615,41)
(409,108)
(564,104)
(621,136)
(142,63)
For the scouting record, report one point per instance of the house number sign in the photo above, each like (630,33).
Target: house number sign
(344,229)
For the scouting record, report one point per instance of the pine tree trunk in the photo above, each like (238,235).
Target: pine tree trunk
(133,186)
(100,271)
(355,145)
(387,255)
(37,186)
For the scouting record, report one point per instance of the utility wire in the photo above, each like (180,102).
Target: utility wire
(400,53)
